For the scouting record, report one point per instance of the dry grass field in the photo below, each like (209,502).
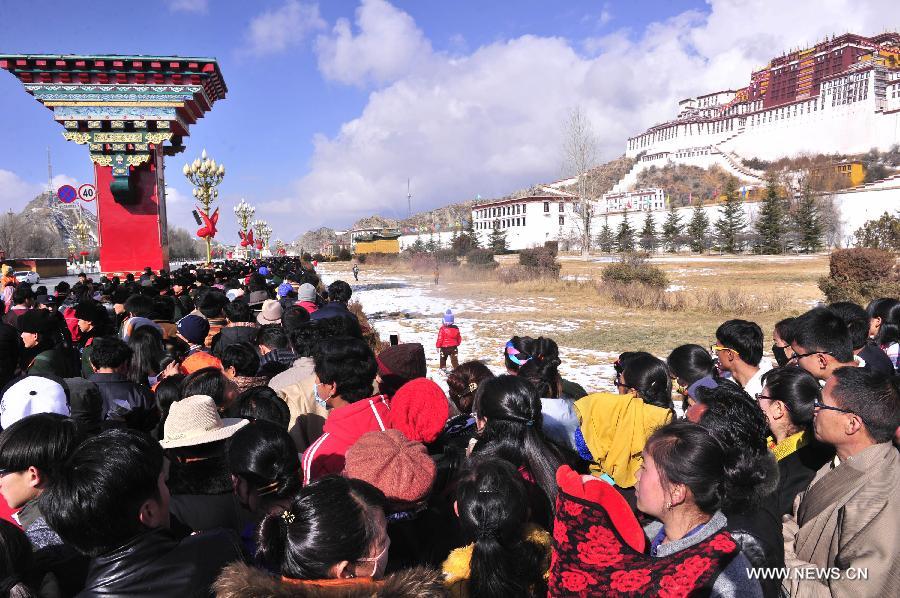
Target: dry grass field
(706,290)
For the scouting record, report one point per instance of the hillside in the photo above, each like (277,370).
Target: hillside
(683,183)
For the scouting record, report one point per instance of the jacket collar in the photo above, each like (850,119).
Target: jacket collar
(130,558)
(844,480)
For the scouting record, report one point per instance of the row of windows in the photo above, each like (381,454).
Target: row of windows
(511,210)
(505,223)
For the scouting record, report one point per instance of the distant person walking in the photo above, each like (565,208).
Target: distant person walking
(356,272)
(448,341)
(437,273)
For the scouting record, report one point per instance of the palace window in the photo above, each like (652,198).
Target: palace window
(562,220)
(546,206)
(562,207)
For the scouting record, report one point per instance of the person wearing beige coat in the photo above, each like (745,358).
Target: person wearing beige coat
(846,524)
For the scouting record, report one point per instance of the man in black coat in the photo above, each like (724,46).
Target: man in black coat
(339,293)
(124,402)
(10,351)
(111,503)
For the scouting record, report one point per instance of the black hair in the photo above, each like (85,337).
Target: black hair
(823,330)
(261,403)
(272,336)
(146,343)
(22,294)
(94,500)
(874,397)
(349,363)
(686,453)
(140,306)
(208,381)
(339,291)
(740,426)
(43,441)
(493,509)
(329,521)
(163,309)
(744,337)
(293,317)
(15,561)
(264,455)
(856,319)
(797,389)
(305,336)
(109,352)
(212,302)
(785,329)
(167,392)
(238,311)
(888,310)
(522,344)
(691,363)
(243,357)
(648,376)
(542,370)
(514,429)
(463,383)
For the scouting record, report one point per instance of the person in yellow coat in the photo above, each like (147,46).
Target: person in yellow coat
(508,555)
(615,426)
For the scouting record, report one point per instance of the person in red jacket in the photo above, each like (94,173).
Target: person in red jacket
(448,341)
(345,371)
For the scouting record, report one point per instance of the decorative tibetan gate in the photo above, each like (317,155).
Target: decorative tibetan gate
(124,108)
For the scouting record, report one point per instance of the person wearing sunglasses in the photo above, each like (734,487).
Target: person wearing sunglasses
(821,343)
(849,515)
(739,349)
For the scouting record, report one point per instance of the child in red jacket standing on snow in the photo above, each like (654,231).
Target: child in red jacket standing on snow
(448,341)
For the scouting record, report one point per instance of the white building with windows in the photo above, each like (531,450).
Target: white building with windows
(548,214)
(645,200)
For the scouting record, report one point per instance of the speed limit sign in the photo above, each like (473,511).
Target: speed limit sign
(87,192)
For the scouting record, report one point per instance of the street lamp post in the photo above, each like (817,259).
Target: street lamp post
(205,175)
(244,212)
(264,232)
(83,233)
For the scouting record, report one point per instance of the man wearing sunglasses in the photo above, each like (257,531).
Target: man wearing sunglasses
(821,343)
(848,517)
(739,349)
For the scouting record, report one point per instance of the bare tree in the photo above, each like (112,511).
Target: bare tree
(580,155)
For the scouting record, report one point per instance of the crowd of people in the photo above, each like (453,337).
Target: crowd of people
(242,431)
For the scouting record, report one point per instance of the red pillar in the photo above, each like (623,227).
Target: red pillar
(133,235)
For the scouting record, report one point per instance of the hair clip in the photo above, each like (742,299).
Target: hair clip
(473,387)
(268,489)
(529,422)
(288,517)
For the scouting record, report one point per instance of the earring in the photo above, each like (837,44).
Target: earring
(668,505)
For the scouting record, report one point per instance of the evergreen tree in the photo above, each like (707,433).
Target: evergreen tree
(698,228)
(808,222)
(671,229)
(605,238)
(470,231)
(731,221)
(770,224)
(648,233)
(497,241)
(625,235)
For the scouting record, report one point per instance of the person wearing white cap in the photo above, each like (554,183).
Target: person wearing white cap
(199,479)
(32,394)
(271,312)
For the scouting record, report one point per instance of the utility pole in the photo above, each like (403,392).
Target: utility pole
(408,201)
(49,178)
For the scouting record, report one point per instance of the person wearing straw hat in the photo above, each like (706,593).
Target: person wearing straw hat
(194,438)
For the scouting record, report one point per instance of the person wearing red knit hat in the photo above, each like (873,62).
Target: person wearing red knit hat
(420,409)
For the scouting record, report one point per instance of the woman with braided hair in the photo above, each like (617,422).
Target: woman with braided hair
(507,555)
(331,540)
(510,423)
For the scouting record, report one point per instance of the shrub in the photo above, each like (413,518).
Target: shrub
(446,257)
(860,275)
(542,260)
(634,268)
(344,255)
(361,258)
(483,258)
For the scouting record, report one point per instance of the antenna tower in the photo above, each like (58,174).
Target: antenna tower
(408,201)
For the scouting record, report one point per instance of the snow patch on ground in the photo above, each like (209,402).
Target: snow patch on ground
(412,309)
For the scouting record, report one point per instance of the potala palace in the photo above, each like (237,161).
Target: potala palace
(840,96)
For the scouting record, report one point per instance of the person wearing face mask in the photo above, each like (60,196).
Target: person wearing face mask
(331,541)
(345,371)
(782,337)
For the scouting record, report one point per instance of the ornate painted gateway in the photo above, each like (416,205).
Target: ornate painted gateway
(124,108)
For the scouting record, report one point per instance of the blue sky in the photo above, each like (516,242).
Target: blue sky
(332,105)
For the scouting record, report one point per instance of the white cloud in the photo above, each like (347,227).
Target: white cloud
(386,45)
(277,30)
(16,192)
(492,121)
(196,6)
